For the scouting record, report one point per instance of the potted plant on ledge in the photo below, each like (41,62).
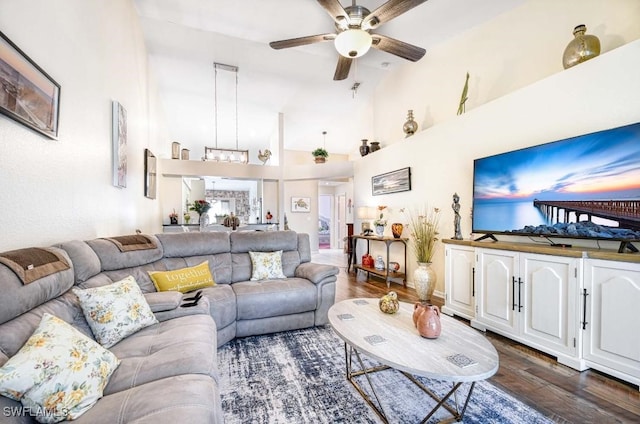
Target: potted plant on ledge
(320,155)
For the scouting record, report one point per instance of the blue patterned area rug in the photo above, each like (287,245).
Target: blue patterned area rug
(299,377)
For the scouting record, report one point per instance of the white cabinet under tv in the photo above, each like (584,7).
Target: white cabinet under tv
(611,318)
(579,305)
(529,297)
(459,281)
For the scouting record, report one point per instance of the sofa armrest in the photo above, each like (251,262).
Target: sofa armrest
(201,308)
(315,272)
(163,301)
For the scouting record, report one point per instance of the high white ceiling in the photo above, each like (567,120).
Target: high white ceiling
(185,37)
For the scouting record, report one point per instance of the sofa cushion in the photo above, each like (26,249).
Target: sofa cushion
(165,301)
(181,245)
(59,372)
(111,258)
(18,298)
(14,333)
(270,298)
(219,265)
(115,311)
(86,263)
(183,279)
(185,345)
(304,247)
(266,265)
(263,241)
(223,304)
(242,268)
(182,399)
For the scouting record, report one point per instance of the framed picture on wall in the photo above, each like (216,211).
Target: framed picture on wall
(301,204)
(119,144)
(391,182)
(150,174)
(28,94)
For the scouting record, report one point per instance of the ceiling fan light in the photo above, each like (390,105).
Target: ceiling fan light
(353,43)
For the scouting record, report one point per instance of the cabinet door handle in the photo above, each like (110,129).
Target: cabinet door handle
(519,294)
(513,293)
(584,309)
(473,282)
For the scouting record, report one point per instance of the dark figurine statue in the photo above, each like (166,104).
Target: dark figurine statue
(456,220)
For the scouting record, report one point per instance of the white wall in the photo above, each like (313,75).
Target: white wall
(598,94)
(302,222)
(515,49)
(59,190)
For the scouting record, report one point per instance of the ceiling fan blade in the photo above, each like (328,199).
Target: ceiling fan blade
(342,69)
(388,11)
(301,41)
(336,11)
(398,48)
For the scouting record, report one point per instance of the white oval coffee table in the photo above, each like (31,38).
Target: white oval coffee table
(393,341)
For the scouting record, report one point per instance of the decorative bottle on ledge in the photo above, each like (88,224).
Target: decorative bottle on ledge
(410,127)
(582,48)
(364,149)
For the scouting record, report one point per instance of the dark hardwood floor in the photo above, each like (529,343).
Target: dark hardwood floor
(561,393)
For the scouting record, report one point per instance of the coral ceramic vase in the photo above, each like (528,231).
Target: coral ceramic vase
(426,319)
(396,229)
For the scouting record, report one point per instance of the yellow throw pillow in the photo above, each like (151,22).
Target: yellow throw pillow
(184,279)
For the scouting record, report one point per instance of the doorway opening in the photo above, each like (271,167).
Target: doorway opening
(324,221)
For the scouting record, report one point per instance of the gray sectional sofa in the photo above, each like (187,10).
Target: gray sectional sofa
(168,370)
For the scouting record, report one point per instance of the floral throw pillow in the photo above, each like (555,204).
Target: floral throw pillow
(115,311)
(59,373)
(266,265)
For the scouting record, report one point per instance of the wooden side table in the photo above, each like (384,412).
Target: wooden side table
(348,245)
(389,276)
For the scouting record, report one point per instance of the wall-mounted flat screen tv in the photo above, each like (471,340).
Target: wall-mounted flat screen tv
(582,187)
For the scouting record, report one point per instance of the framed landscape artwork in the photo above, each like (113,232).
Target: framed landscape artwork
(27,95)
(150,174)
(301,204)
(391,182)
(119,144)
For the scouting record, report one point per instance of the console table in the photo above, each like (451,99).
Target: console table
(388,276)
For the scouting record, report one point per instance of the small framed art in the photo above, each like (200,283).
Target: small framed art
(119,144)
(391,182)
(301,204)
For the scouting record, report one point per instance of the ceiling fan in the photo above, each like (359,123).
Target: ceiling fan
(353,38)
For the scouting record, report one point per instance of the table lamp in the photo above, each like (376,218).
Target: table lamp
(365,214)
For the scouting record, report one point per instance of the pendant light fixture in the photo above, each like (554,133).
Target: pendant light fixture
(216,153)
